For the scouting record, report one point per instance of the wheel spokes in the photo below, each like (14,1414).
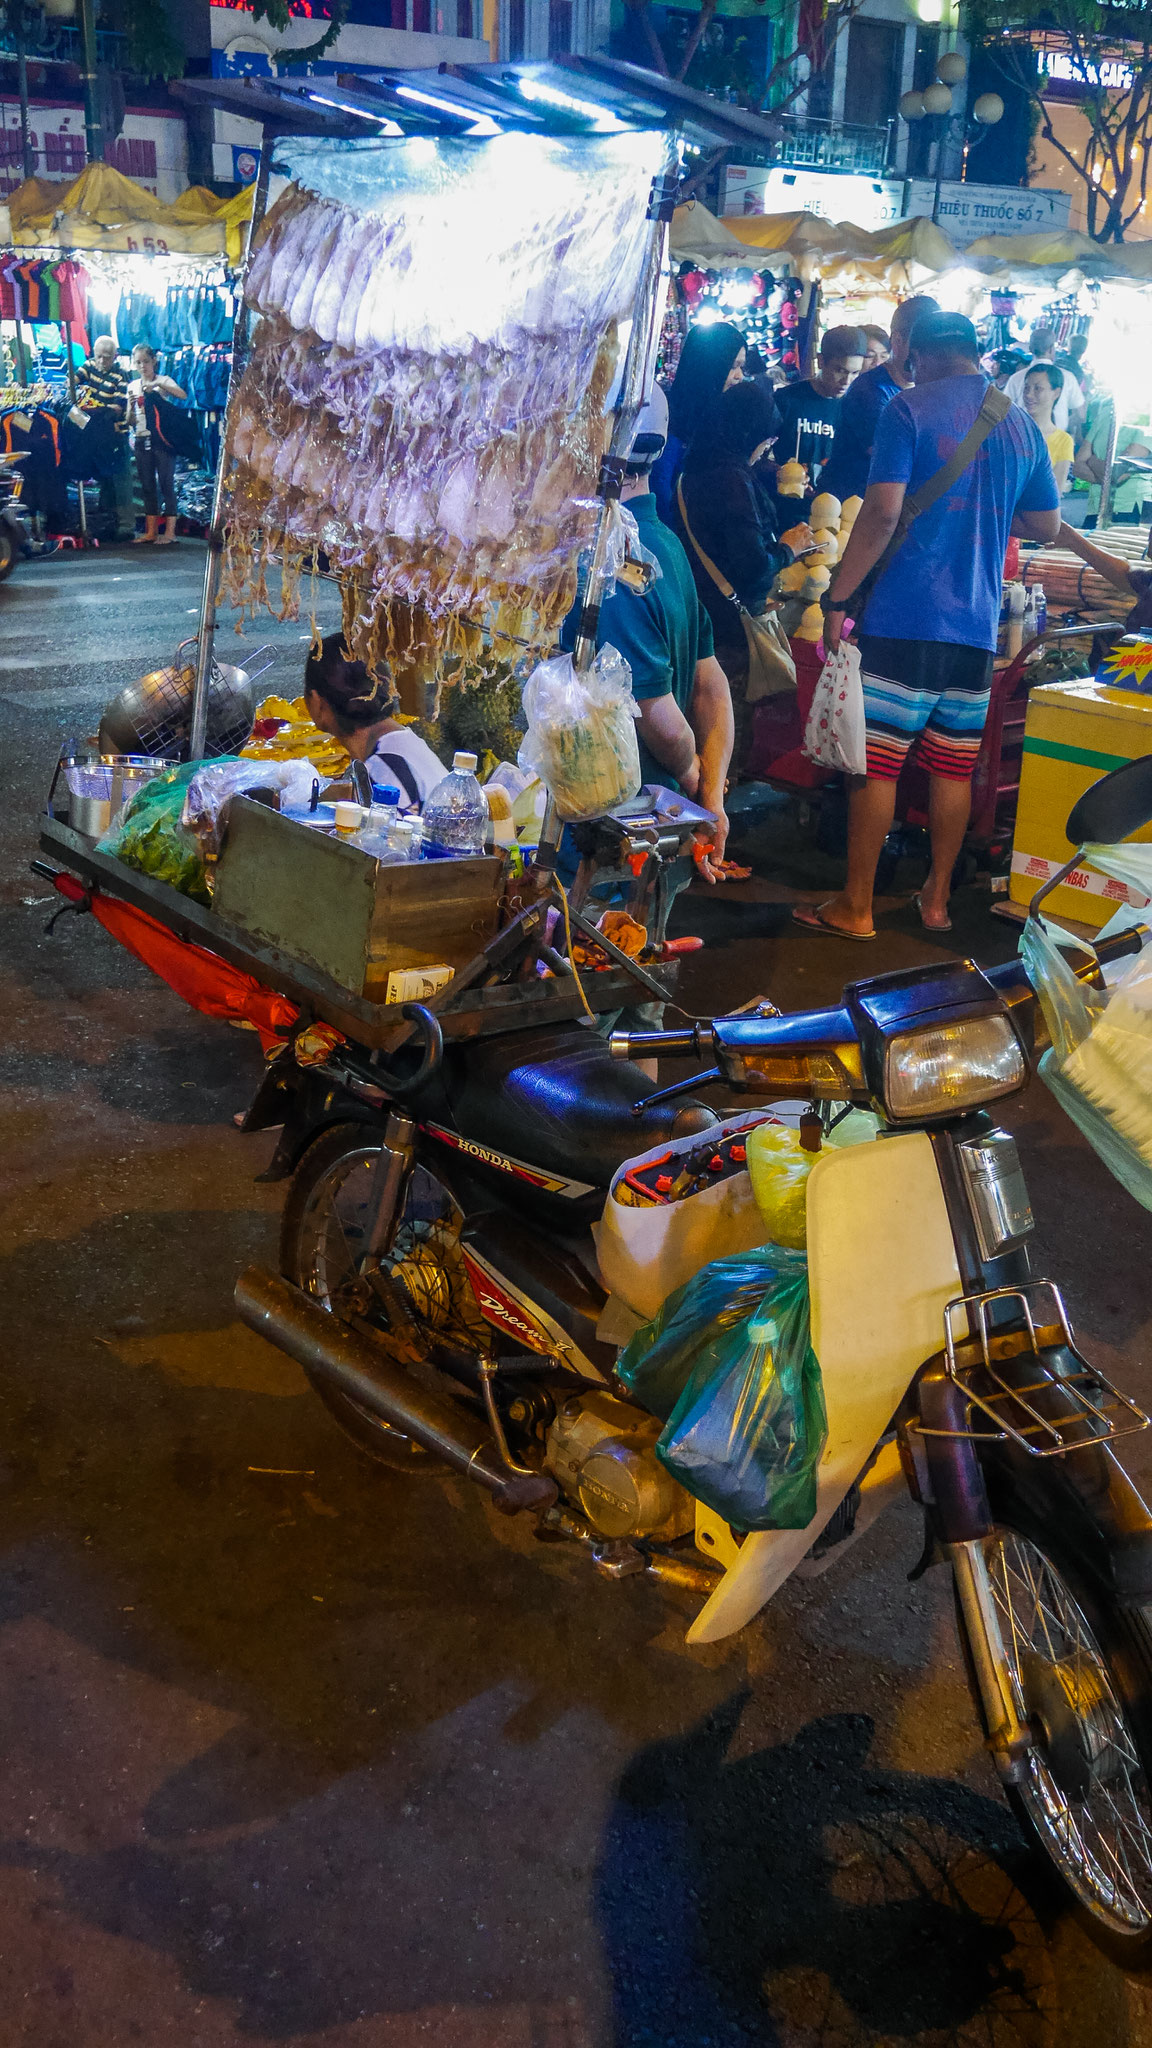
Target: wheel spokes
(1099,1832)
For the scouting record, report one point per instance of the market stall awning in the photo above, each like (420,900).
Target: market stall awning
(102,209)
(902,256)
(1048,257)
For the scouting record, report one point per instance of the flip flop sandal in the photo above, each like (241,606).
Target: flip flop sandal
(945,927)
(810,920)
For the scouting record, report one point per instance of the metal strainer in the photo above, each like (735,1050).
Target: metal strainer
(154,714)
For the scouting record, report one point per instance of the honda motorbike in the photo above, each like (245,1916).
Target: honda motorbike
(440,1285)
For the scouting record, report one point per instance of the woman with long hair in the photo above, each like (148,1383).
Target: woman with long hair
(711,361)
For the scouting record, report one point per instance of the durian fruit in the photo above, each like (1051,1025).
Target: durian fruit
(811,625)
(825,510)
(791,579)
(848,511)
(791,478)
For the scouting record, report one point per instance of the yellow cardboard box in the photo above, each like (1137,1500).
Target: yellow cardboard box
(1074,733)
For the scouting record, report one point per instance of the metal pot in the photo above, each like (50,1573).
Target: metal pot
(99,784)
(154,714)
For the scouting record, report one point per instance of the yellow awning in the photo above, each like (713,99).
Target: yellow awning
(899,257)
(102,209)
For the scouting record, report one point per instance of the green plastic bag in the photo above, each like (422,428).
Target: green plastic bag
(148,835)
(728,1366)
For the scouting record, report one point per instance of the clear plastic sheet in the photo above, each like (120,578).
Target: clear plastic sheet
(148,835)
(1099,1065)
(728,1366)
(426,397)
(581,737)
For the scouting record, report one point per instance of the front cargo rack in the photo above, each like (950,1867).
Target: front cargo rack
(1068,1406)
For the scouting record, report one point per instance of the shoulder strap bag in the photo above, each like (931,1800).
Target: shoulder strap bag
(771,668)
(994,407)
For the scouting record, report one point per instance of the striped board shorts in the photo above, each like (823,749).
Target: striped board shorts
(930,693)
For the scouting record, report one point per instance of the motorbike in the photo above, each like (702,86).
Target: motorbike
(440,1286)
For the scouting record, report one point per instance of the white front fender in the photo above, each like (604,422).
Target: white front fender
(881,1267)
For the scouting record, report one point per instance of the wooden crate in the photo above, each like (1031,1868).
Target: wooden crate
(326,903)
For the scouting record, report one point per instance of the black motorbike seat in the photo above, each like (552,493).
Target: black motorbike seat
(556,1099)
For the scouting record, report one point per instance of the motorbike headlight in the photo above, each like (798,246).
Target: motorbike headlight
(942,1069)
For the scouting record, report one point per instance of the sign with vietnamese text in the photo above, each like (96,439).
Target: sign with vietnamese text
(968,212)
(833,195)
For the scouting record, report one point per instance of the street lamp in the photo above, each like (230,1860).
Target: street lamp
(935,104)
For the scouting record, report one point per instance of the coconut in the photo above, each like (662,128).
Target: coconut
(811,625)
(825,510)
(829,545)
(848,511)
(791,579)
(815,582)
(791,478)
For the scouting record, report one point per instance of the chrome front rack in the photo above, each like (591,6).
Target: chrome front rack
(1071,1406)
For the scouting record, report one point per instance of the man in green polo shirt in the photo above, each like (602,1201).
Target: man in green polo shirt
(665,636)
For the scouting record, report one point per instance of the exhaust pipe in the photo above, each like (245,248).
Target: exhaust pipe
(327,1347)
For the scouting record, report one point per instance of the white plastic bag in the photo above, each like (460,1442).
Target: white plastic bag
(581,737)
(834,734)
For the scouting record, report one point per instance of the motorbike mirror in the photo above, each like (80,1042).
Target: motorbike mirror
(1115,807)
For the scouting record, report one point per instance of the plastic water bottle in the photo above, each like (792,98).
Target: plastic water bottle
(375,835)
(455,814)
(403,838)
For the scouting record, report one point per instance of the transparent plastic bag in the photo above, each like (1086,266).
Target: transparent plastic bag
(728,1366)
(1099,1065)
(627,561)
(581,737)
(216,782)
(149,836)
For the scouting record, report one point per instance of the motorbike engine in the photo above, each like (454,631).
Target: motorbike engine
(603,1455)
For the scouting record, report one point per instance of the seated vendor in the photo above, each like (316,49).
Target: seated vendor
(342,699)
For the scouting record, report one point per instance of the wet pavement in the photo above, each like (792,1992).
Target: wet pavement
(297,1751)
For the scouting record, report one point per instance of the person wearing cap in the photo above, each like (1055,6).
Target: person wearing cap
(665,635)
(927,626)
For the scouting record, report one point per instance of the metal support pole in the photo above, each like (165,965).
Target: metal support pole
(199,728)
(641,341)
(1104,516)
(93,127)
(80,498)
(28,155)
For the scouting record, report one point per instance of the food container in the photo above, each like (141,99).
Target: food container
(100,784)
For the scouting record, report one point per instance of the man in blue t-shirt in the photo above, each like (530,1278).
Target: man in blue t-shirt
(927,630)
(845,473)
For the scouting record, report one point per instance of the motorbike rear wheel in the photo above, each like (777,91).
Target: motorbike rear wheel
(7,554)
(321,1236)
(1081,1666)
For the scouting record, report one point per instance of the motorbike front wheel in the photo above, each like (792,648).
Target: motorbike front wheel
(322,1238)
(7,553)
(1081,1666)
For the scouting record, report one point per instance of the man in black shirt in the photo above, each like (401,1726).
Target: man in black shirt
(103,453)
(810,412)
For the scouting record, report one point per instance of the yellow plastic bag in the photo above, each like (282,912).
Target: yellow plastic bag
(779,1169)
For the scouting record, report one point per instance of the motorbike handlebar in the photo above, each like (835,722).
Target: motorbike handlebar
(632,1045)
